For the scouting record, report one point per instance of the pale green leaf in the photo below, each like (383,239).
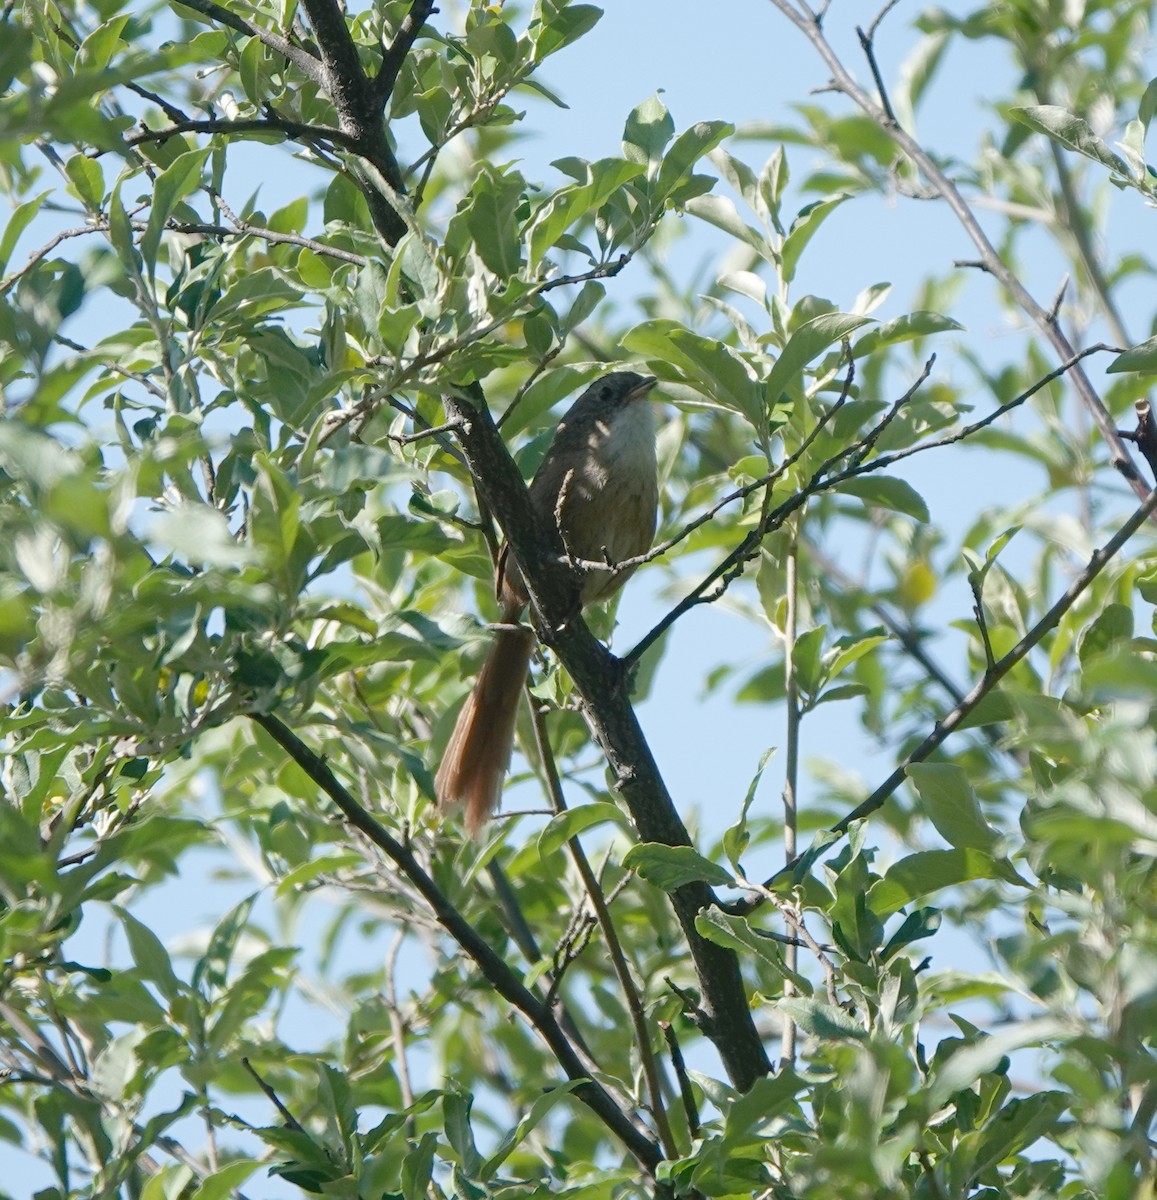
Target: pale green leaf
(951,805)
(670,867)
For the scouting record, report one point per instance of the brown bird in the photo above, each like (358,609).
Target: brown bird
(599,484)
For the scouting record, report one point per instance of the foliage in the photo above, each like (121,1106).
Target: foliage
(253,473)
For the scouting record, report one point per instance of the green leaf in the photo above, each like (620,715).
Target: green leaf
(972,1060)
(574,821)
(670,867)
(456,1121)
(1114,624)
(737,836)
(850,649)
(1069,130)
(181,177)
(822,1020)
(1148,105)
(951,805)
(737,933)
(213,966)
(1141,358)
(811,339)
(570,204)
(648,130)
(930,871)
(418,1168)
(149,956)
(803,229)
(200,535)
(721,212)
(87,181)
(493,221)
(903,329)
(687,149)
(1016,1126)
(560,25)
(223,1183)
(709,366)
(887,491)
(22,216)
(538,1111)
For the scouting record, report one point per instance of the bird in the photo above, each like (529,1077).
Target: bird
(598,484)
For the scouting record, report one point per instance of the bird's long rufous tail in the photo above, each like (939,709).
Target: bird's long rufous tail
(478,753)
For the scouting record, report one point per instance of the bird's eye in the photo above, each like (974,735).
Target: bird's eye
(605,393)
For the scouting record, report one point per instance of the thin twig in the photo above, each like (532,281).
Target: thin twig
(291,1122)
(382,85)
(791,764)
(869,49)
(270,124)
(610,936)
(686,1092)
(952,720)
(300,57)
(398,1025)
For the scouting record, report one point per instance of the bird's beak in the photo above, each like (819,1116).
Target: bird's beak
(637,393)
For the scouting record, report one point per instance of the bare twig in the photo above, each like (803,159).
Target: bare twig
(989,258)
(686,1092)
(791,765)
(300,57)
(298,130)
(867,44)
(110,364)
(291,1122)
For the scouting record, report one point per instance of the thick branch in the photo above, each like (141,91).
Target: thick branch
(359,116)
(489,962)
(599,678)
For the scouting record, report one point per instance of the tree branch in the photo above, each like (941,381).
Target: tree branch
(952,720)
(991,261)
(300,57)
(271,123)
(382,85)
(717,581)
(614,945)
(493,967)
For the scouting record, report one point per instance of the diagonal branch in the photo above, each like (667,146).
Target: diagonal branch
(298,130)
(300,57)
(615,951)
(495,968)
(954,719)
(718,580)
(1050,329)
(382,85)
